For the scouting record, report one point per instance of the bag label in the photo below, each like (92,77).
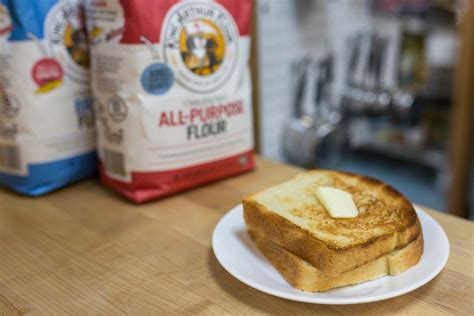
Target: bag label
(172,90)
(201,42)
(45,105)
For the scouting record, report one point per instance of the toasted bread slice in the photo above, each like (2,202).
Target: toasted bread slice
(290,215)
(304,276)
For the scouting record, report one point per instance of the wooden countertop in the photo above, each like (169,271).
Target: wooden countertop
(84,250)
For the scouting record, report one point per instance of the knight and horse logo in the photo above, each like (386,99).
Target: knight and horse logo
(75,40)
(200,45)
(66,32)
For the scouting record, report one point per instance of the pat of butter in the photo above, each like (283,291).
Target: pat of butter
(338,203)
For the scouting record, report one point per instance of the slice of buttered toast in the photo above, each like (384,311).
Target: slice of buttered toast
(304,276)
(290,215)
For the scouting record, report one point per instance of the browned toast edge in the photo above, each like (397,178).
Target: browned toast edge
(328,258)
(302,275)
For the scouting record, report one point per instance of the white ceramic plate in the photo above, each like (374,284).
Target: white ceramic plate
(237,254)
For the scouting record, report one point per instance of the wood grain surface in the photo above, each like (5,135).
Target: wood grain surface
(84,250)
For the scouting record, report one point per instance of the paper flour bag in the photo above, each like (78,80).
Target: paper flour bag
(172,92)
(46,117)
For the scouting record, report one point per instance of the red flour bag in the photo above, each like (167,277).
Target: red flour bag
(171,86)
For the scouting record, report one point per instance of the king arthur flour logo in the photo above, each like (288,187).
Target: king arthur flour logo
(200,44)
(66,33)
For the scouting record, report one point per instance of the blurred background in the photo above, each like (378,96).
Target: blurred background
(369,86)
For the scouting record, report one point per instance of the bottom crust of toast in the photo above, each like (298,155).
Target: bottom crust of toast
(331,261)
(304,276)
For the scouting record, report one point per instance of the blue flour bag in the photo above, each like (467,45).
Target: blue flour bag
(46,117)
